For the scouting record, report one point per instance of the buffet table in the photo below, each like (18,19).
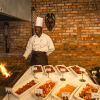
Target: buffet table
(70,78)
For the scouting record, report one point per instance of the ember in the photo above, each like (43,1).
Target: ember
(4,71)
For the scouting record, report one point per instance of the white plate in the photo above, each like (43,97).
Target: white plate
(56,90)
(42,83)
(62,68)
(14,89)
(81,88)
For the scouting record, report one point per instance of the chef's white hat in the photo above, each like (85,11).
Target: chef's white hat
(39,21)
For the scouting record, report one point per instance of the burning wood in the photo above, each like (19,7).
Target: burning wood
(4,71)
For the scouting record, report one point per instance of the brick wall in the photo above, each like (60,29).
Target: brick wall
(19,32)
(76,34)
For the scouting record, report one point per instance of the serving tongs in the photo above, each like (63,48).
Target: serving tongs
(93,77)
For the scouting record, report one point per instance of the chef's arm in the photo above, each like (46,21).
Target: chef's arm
(28,49)
(50,51)
(51,47)
(27,52)
(24,57)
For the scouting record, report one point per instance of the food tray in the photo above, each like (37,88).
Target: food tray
(57,89)
(37,68)
(27,91)
(49,67)
(42,84)
(83,87)
(59,67)
(78,72)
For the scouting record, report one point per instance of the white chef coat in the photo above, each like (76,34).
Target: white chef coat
(42,43)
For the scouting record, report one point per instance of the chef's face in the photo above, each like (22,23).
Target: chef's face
(38,30)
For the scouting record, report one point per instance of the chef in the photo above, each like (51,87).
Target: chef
(39,45)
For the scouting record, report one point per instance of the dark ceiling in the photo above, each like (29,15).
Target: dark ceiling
(4,17)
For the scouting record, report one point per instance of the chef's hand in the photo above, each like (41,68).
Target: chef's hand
(21,60)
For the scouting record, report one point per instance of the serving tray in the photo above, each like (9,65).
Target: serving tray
(85,90)
(62,68)
(45,86)
(37,68)
(49,68)
(76,70)
(64,88)
(24,88)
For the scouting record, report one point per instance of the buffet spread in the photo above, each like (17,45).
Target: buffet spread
(54,83)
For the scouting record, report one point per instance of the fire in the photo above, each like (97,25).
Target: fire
(4,70)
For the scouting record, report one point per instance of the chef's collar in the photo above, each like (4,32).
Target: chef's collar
(38,36)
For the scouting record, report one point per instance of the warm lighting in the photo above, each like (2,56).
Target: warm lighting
(4,71)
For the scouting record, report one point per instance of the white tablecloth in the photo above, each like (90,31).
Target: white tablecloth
(70,78)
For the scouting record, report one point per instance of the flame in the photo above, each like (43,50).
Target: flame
(4,70)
